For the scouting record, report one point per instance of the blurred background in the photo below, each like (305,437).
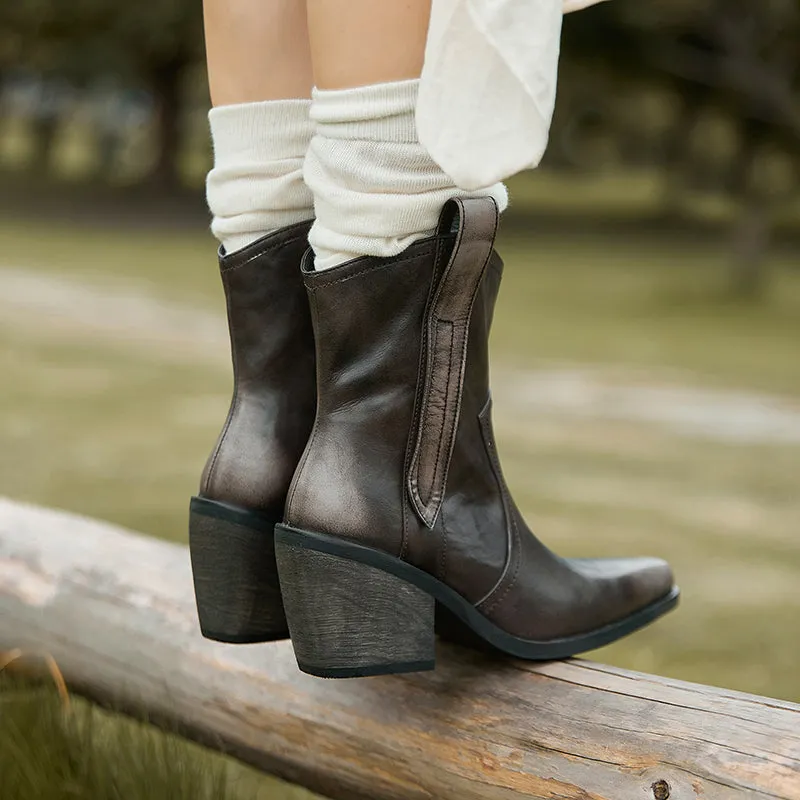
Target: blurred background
(646,345)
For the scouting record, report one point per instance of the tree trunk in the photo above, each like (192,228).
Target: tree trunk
(676,155)
(165,84)
(752,229)
(750,243)
(46,131)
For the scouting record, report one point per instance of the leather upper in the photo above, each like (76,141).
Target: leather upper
(444,359)
(402,457)
(274,385)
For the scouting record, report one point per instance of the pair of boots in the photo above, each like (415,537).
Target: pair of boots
(355,498)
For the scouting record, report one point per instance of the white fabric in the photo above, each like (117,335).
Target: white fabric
(256,185)
(376,189)
(488,85)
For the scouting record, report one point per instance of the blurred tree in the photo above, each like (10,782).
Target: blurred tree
(143,46)
(736,58)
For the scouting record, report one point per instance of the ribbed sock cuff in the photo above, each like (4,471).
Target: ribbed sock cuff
(272,129)
(256,185)
(382,112)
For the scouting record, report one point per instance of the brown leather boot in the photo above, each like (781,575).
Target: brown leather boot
(244,484)
(399,506)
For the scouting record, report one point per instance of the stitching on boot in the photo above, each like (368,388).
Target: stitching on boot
(517,561)
(490,447)
(441,421)
(260,254)
(370,268)
(459,318)
(418,399)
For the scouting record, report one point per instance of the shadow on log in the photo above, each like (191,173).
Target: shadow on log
(115,610)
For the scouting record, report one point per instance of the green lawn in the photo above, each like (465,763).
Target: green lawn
(118,426)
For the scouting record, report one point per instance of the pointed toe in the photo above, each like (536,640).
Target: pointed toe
(651,580)
(626,585)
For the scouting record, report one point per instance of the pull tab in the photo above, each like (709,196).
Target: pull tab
(445,349)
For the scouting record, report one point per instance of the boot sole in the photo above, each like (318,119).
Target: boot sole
(235,575)
(354,611)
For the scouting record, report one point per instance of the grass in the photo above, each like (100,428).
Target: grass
(118,427)
(650,303)
(724,515)
(86,420)
(53,751)
(49,752)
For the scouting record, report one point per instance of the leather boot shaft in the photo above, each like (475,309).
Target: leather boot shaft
(380,342)
(368,361)
(272,347)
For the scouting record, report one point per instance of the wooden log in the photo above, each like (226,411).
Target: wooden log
(115,610)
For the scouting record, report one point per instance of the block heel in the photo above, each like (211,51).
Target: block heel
(349,619)
(235,575)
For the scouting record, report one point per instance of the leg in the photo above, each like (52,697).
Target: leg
(259,71)
(376,189)
(257,50)
(358,42)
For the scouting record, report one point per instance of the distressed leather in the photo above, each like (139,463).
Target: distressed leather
(445,354)
(274,385)
(402,457)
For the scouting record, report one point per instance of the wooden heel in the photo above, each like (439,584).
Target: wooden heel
(349,619)
(235,576)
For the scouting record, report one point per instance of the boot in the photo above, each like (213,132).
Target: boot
(245,481)
(399,508)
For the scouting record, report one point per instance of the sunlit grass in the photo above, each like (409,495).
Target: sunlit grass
(725,515)
(50,751)
(650,303)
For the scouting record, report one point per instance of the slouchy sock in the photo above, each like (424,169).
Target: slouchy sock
(256,185)
(376,189)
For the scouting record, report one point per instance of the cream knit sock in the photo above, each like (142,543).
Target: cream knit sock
(256,185)
(376,189)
